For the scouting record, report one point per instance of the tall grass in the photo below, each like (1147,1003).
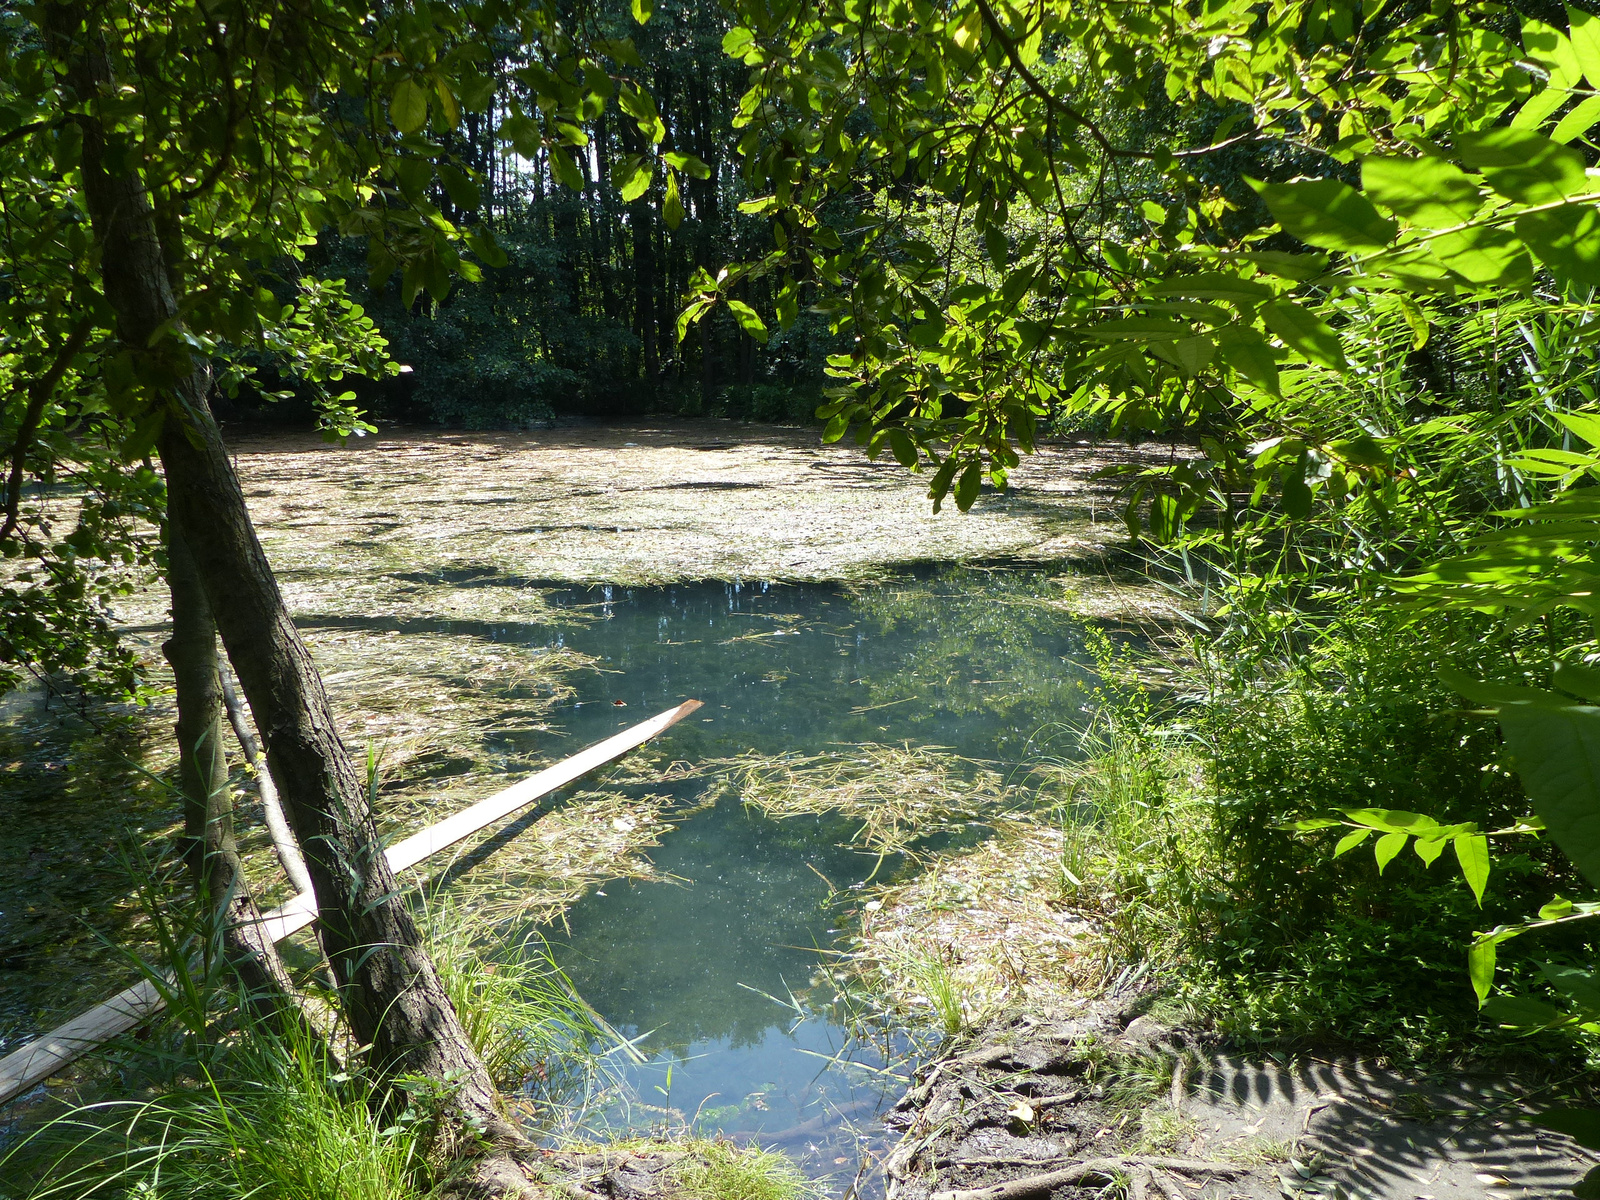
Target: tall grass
(257,1113)
(273,1118)
(518,1008)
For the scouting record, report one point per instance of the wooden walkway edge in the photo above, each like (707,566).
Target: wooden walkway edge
(47,1055)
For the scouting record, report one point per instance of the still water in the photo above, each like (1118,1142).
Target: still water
(717,971)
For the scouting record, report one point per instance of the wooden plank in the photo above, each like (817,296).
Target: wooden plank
(46,1056)
(469,820)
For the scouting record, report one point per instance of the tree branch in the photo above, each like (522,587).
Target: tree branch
(39,393)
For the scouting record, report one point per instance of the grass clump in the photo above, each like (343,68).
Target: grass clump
(518,1008)
(718,1170)
(273,1119)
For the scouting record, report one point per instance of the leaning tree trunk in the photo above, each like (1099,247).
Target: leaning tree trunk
(391,992)
(211,852)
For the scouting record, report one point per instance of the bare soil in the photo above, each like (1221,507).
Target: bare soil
(1068,1102)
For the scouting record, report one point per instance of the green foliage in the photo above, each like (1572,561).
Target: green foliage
(236,1108)
(1195,857)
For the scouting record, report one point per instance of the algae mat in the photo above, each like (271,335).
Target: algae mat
(641,504)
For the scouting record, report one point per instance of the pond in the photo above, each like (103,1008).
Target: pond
(721,968)
(718,967)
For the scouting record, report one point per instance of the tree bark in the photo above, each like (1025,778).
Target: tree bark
(210,849)
(392,995)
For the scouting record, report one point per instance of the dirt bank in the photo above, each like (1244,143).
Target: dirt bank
(1069,1102)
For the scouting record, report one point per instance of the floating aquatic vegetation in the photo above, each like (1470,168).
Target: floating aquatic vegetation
(897,795)
(977,929)
(531,871)
(638,506)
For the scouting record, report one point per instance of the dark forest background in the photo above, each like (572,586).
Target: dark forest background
(582,321)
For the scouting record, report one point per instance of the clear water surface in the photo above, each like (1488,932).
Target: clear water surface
(706,967)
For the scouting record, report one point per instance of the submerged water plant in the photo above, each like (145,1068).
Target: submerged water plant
(896,795)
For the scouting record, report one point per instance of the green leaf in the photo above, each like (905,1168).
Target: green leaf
(994,243)
(1391,820)
(1555,744)
(1577,122)
(688,164)
(642,9)
(1389,845)
(939,485)
(621,49)
(463,192)
(632,177)
(1548,175)
(1582,1125)
(1429,849)
(902,447)
(966,489)
(749,320)
(1247,352)
(835,428)
(1361,451)
(1428,192)
(1579,679)
(481,242)
(1350,841)
(1552,50)
(1585,33)
(1287,266)
(1472,852)
(1327,213)
(1212,285)
(447,101)
(408,107)
(1303,331)
(1296,493)
(672,203)
(1540,107)
(565,169)
(1480,966)
(1578,985)
(1522,1012)
(1417,319)
(1567,241)
(1484,256)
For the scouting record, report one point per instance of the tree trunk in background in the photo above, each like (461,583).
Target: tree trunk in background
(210,849)
(602,216)
(392,994)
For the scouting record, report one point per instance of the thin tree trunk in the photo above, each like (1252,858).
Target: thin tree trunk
(392,995)
(210,849)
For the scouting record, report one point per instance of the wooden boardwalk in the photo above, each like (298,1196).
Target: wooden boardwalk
(45,1056)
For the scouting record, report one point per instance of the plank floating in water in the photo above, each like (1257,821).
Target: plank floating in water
(45,1056)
